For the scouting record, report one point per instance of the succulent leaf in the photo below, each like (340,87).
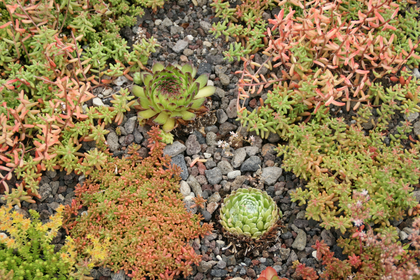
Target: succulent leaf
(249,212)
(171,93)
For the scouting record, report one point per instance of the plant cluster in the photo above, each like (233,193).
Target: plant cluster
(244,22)
(338,159)
(370,256)
(171,93)
(47,77)
(249,212)
(26,252)
(137,205)
(328,53)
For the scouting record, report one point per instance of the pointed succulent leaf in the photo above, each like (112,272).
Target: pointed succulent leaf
(205,92)
(157,67)
(161,118)
(169,125)
(146,114)
(138,91)
(202,80)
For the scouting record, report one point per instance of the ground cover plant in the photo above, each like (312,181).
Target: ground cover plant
(46,78)
(324,55)
(319,57)
(26,252)
(171,94)
(341,55)
(244,22)
(137,205)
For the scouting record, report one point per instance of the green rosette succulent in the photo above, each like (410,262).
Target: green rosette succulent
(249,212)
(170,93)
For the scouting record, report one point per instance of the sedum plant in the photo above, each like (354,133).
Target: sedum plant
(26,252)
(249,212)
(136,203)
(170,93)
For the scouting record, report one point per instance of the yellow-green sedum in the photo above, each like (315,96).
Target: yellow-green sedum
(249,212)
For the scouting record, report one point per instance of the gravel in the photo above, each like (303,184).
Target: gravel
(221,173)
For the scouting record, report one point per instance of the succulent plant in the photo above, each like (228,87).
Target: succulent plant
(249,212)
(170,93)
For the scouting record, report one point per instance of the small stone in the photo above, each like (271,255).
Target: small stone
(205,266)
(224,79)
(214,198)
(112,141)
(300,240)
(97,102)
(158,22)
(231,110)
(167,22)
(211,207)
(185,188)
(412,116)
(225,167)
(238,157)
(180,46)
(130,124)
(51,173)
(251,164)
(403,235)
(416,128)
(188,52)
(44,191)
(221,116)
(105,271)
(206,26)
(328,238)
(214,176)
(271,174)
(193,147)
(251,150)
(195,186)
(174,149)
(54,205)
(119,276)
(230,260)
(221,264)
(211,139)
(233,174)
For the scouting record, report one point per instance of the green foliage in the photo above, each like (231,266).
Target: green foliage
(338,159)
(167,137)
(137,205)
(171,93)
(249,212)
(370,256)
(308,52)
(27,253)
(47,76)
(245,23)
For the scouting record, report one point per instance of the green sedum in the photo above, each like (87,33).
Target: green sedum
(170,93)
(249,212)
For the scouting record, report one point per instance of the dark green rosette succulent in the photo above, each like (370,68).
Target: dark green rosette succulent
(249,212)
(170,93)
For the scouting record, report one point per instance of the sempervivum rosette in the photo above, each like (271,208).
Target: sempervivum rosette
(249,212)
(170,93)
